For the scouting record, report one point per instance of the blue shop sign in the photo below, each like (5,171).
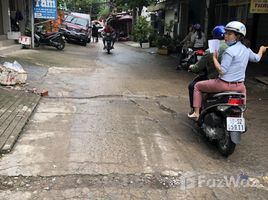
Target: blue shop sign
(45,9)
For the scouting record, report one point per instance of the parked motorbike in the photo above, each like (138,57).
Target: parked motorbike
(221,119)
(55,39)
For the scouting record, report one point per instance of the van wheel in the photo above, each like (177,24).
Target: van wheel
(88,40)
(84,43)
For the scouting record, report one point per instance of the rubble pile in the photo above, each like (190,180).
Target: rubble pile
(12,74)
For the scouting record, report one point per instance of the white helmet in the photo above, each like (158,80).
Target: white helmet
(237,27)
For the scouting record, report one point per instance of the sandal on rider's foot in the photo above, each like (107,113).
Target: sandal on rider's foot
(191,112)
(193,116)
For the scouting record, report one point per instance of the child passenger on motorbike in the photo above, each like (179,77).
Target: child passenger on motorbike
(108,29)
(231,68)
(205,66)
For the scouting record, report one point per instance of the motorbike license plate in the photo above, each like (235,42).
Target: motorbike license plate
(236,124)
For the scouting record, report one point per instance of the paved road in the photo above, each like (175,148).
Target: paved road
(114,127)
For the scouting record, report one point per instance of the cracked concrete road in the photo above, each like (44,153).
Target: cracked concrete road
(114,127)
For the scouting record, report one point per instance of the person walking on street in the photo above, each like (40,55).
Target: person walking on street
(231,68)
(95,34)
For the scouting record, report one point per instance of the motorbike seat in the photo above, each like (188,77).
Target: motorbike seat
(49,34)
(223,94)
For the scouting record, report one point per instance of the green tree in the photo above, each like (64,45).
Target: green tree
(61,4)
(134,4)
(94,7)
(104,12)
(142,30)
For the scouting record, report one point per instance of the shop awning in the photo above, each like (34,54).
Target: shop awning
(125,17)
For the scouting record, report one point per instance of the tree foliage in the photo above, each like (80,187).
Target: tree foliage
(133,4)
(87,6)
(142,29)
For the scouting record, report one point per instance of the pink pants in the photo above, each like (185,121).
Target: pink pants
(214,86)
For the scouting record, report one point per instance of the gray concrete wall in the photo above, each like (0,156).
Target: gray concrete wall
(5,16)
(1,19)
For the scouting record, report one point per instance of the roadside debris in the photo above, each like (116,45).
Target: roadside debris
(12,74)
(44,93)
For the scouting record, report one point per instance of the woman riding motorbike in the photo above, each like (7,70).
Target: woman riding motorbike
(198,39)
(231,69)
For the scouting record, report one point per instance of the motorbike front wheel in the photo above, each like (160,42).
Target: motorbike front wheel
(36,43)
(109,45)
(61,44)
(225,145)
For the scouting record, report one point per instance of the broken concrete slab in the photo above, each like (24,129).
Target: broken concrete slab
(15,109)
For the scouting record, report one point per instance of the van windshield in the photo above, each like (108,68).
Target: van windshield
(80,21)
(69,18)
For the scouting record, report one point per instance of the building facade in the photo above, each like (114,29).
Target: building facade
(9,11)
(208,13)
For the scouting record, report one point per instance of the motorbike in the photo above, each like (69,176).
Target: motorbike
(109,41)
(188,57)
(54,39)
(221,120)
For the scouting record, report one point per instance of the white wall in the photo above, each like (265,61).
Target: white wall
(146,14)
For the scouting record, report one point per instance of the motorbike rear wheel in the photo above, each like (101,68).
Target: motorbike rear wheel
(225,145)
(61,44)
